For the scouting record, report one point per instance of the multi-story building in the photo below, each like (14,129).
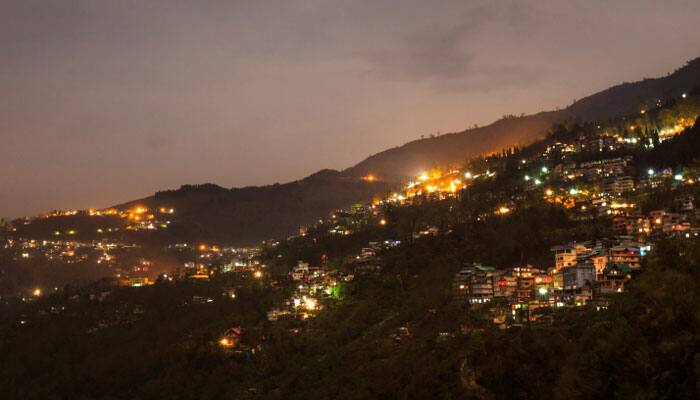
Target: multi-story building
(567,255)
(474,284)
(625,254)
(578,276)
(617,185)
(613,279)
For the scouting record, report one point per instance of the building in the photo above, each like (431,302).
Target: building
(613,279)
(300,271)
(506,286)
(567,255)
(617,185)
(474,284)
(579,276)
(625,254)
(631,225)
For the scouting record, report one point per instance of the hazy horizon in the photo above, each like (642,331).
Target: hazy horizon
(105,103)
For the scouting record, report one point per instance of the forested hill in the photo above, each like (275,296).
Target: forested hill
(244,216)
(411,158)
(617,101)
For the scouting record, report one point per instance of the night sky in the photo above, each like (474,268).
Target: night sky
(107,101)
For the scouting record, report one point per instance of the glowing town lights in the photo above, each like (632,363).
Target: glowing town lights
(523,161)
(621,205)
(538,182)
(310,303)
(684,95)
(542,291)
(226,342)
(650,171)
(527,177)
(503,210)
(369,178)
(382,221)
(678,177)
(257,274)
(202,247)
(37,292)
(549,192)
(423,177)
(544,170)
(296,302)
(468,175)
(573,191)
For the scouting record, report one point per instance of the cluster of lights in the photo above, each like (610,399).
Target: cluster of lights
(307,303)
(503,210)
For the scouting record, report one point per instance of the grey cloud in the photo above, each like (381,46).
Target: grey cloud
(450,53)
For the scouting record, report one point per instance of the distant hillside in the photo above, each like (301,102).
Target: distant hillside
(413,157)
(629,98)
(248,215)
(618,101)
(245,216)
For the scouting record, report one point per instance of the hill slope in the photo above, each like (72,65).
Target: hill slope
(244,216)
(617,101)
(248,215)
(413,157)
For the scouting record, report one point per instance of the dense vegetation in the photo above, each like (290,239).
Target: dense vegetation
(154,343)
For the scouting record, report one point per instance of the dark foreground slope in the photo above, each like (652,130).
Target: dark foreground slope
(617,101)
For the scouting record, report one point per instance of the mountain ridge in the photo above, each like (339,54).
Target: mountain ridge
(616,101)
(249,214)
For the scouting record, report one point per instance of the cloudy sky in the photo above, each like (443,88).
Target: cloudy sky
(106,101)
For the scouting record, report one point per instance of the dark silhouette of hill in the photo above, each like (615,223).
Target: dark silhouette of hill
(618,101)
(410,159)
(245,216)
